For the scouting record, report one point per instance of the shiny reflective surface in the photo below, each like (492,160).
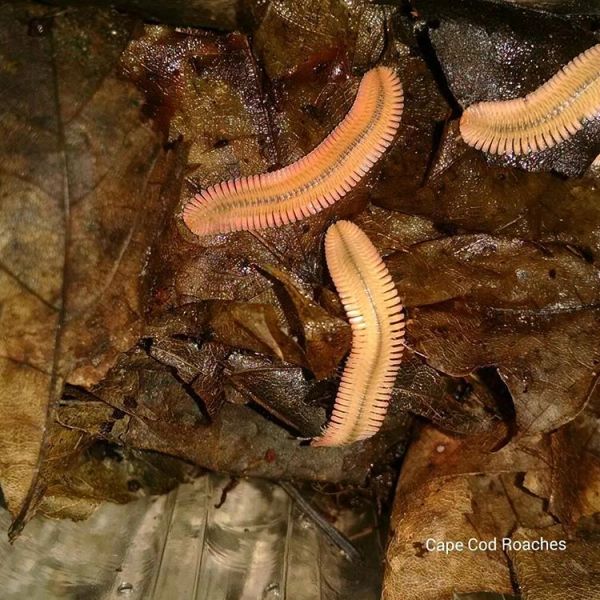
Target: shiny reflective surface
(256,546)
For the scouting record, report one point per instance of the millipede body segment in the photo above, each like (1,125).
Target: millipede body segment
(376,315)
(542,119)
(318,179)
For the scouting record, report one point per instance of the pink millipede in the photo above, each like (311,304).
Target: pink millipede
(315,181)
(375,312)
(544,118)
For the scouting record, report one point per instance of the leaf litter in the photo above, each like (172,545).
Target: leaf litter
(126,334)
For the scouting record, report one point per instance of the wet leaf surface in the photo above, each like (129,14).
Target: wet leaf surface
(490,51)
(461,405)
(538,207)
(157,413)
(198,366)
(220,14)
(478,300)
(282,390)
(561,6)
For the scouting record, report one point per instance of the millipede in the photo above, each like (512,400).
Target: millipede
(548,116)
(315,181)
(376,315)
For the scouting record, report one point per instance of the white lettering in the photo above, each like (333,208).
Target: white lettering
(430,544)
(446,547)
(483,545)
(539,545)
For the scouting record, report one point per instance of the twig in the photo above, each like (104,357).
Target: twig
(338,538)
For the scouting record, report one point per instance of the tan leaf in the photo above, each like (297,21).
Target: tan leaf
(79,209)
(440,510)
(463,490)
(571,574)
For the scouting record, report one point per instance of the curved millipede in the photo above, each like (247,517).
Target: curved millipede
(318,179)
(376,314)
(542,119)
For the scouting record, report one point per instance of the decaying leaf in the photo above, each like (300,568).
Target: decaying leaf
(108,473)
(466,490)
(78,165)
(126,336)
(479,300)
(509,60)
(157,413)
(509,202)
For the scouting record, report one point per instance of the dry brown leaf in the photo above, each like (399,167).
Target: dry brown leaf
(425,113)
(574,487)
(459,489)
(324,339)
(255,327)
(78,165)
(568,575)
(441,510)
(157,413)
(478,300)
(443,496)
(436,454)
